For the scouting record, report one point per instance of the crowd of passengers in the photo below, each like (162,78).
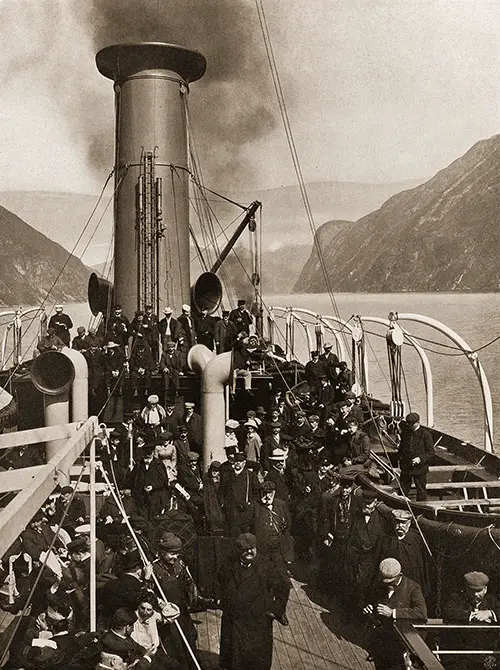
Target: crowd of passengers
(281,498)
(125,351)
(286,495)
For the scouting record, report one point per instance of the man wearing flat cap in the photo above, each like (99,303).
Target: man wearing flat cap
(406,545)
(415,452)
(474,604)
(179,588)
(394,598)
(252,594)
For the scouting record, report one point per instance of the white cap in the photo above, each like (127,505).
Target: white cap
(186,308)
(168,310)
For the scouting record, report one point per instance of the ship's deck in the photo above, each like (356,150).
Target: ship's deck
(315,639)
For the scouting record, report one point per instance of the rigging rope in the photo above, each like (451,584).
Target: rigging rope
(292,146)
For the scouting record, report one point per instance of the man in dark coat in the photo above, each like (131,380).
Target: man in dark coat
(331,361)
(113,363)
(472,605)
(170,329)
(406,545)
(119,327)
(205,329)
(194,424)
(82,341)
(358,446)
(240,489)
(362,546)
(270,522)
(171,366)
(141,365)
(151,331)
(416,450)
(62,324)
(117,641)
(241,318)
(394,598)
(252,593)
(188,325)
(314,370)
(225,333)
(74,505)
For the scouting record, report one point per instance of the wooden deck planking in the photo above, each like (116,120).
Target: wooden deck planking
(308,643)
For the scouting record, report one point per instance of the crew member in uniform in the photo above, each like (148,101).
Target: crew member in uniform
(62,324)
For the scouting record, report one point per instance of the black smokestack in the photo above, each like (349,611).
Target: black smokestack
(234,100)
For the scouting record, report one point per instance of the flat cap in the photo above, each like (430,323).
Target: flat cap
(314,417)
(189,404)
(401,514)
(193,457)
(389,569)
(170,542)
(476,580)
(67,489)
(240,457)
(350,394)
(214,465)
(242,302)
(186,308)
(327,345)
(275,424)
(347,479)
(168,310)
(267,487)
(412,417)
(245,541)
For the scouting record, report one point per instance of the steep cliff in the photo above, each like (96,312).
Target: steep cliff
(31,266)
(440,236)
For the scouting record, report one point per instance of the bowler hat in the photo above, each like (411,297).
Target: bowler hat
(245,541)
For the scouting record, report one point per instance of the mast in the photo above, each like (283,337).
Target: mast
(151,255)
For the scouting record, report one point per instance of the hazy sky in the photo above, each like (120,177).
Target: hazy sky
(378,91)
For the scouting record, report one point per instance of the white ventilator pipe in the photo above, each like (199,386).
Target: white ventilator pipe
(80,386)
(215,374)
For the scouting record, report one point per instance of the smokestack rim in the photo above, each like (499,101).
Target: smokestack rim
(120,61)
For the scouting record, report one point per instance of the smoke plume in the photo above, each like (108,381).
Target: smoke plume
(232,100)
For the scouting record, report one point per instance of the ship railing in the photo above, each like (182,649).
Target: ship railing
(11,349)
(338,329)
(436,626)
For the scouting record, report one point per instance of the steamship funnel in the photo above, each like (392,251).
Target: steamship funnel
(151,255)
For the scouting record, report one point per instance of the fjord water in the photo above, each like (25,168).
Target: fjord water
(458,406)
(457,396)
